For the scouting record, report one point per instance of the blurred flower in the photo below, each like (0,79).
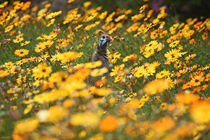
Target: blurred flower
(56,113)
(68,103)
(43,115)
(26,126)
(98,72)
(70,1)
(68,56)
(109,123)
(160,125)
(98,136)
(156,86)
(86,119)
(58,77)
(3,73)
(199,111)
(186,98)
(86,4)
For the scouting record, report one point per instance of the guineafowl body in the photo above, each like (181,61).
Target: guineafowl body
(101,52)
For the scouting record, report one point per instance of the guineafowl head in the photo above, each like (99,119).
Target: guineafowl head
(103,40)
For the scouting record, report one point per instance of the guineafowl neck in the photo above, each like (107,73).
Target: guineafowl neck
(102,51)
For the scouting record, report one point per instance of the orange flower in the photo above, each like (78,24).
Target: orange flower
(68,103)
(47,138)
(186,98)
(3,73)
(200,111)
(109,123)
(154,34)
(80,75)
(192,41)
(163,124)
(157,86)
(47,85)
(26,5)
(185,129)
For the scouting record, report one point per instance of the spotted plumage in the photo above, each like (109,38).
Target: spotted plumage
(101,51)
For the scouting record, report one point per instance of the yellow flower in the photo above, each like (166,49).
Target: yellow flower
(26,126)
(163,74)
(163,106)
(120,18)
(25,43)
(174,44)
(103,15)
(100,91)
(98,72)
(18,38)
(70,1)
(144,98)
(110,17)
(131,57)
(173,55)
(86,4)
(28,108)
(52,15)
(78,27)
(93,64)
(8,28)
(43,45)
(68,103)
(189,57)
(86,119)
(68,56)
(42,70)
(113,57)
(56,113)
(119,72)
(50,22)
(147,69)
(3,4)
(117,69)
(58,77)
(3,73)
(21,52)
(133,104)
(98,136)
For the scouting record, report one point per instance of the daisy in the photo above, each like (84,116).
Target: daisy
(21,52)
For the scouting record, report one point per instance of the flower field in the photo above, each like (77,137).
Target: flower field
(158,83)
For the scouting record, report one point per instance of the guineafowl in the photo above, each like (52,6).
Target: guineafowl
(101,53)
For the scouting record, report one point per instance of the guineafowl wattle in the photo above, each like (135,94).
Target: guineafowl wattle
(101,52)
